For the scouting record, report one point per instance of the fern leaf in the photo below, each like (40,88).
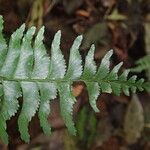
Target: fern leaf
(88,73)
(123,78)
(90,66)
(48,92)
(103,70)
(24,65)
(93,92)
(26,69)
(74,71)
(30,105)
(132,80)
(3,45)
(23,70)
(142,64)
(66,105)
(146,86)
(41,59)
(11,89)
(9,65)
(41,71)
(10,104)
(75,62)
(139,84)
(113,75)
(30,96)
(3,133)
(58,65)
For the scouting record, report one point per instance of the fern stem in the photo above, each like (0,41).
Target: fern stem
(68,80)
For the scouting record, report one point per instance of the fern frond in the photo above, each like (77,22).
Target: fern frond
(27,70)
(88,74)
(142,64)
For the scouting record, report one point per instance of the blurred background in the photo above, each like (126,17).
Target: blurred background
(123,25)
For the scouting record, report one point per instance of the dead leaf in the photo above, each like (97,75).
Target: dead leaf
(69,142)
(134,120)
(116,16)
(97,34)
(77,90)
(83,13)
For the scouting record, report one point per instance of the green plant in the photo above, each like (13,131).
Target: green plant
(26,70)
(142,64)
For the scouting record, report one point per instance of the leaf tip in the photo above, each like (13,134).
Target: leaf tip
(96,110)
(40,37)
(23,26)
(119,65)
(42,29)
(58,32)
(30,32)
(111,51)
(108,54)
(92,47)
(1,23)
(57,37)
(1,18)
(32,29)
(80,37)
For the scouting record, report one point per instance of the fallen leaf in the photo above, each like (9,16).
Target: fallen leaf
(134,120)
(77,90)
(115,15)
(97,34)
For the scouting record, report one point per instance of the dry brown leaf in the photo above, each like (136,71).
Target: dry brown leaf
(83,13)
(134,120)
(77,90)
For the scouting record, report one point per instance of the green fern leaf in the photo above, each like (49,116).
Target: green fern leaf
(30,105)
(30,90)
(139,84)
(113,75)
(13,53)
(75,62)
(26,69)
(142,64)
(25,62)
(11,90)
(123,78)
(88,73)
(74,71)
(58,65)
(3,45)
(132,80)
(103,70)
(41,71)
(3,133)
(90,66)
(41,59)
(66,105)
(93,92)
(48,92)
